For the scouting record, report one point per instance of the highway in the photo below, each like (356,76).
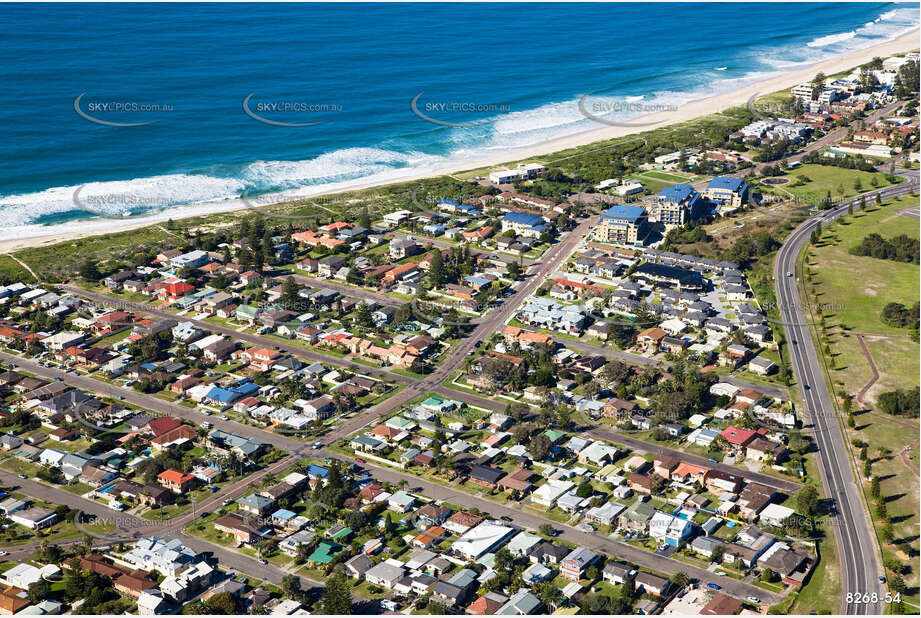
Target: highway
(858,555)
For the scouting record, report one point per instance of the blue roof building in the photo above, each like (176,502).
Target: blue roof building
(678,193)
(676,205)
(524,224)
(728,183)
(247,388)
(726,192)
(623,213)
(624,225)
(222,395)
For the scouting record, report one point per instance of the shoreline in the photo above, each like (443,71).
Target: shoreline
(38,235)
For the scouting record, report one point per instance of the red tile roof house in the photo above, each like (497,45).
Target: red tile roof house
(166,439)
(370,492)
(262,359)
(175,291)
(738,437)
(649,339)
(461,522)
(518,480)
(176,481)
(160,425)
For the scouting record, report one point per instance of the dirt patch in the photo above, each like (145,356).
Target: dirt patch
(775,181)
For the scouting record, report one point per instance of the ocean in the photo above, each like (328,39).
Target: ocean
(111,110)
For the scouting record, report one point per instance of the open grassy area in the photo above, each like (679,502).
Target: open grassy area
(822,179)
(855,289)
(852,290)
(822,593)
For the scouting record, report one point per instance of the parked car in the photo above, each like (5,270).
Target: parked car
(714,586)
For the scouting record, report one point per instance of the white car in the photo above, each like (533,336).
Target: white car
(4,553)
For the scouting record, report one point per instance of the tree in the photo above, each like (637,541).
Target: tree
(39,591)
(539,447)
(897,584)
(818,84)
(881,511)
(363,315)
(364,218)
(291,586)
(337,599)
(874,487)
(436,269)
(767,575)
(680,579)
(807,501)
(585,490)
(289,296)
(717,555)
(222,603)
(90,271)
(514,270)
(545,529)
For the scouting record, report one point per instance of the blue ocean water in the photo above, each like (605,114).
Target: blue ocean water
(508,74)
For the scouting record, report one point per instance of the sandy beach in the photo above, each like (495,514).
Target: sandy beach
(30,236)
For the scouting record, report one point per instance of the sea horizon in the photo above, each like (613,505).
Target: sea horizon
(219,132)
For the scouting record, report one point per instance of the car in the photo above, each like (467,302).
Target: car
(882,579)
(754,599)
(4,553)
(23,476)
(223,417)
(806,386)
(317,445)
(360,460)
(713,586)
(203,514)
(389,605)
(789,274)
(263,561)
(506,518)
(227,502)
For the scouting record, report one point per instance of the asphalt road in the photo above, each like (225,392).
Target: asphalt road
(292,349)
(229,559)
(638,359)
(854,533)
(615,549)
(600,433)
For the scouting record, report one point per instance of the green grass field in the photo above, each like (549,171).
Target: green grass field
(857,288)
(824,178)
(854,290)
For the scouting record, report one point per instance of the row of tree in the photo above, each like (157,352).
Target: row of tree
(901,248)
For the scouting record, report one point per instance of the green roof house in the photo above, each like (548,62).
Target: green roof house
(326,552)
